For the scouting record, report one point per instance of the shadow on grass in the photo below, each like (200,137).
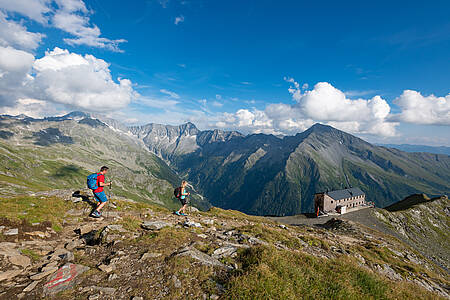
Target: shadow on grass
(67,172)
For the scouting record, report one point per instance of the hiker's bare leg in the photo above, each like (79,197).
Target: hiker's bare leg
(100,206)
(184,208)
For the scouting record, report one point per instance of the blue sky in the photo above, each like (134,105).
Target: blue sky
(378,70)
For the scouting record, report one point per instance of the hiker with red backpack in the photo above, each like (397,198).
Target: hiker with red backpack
(181,194)
(96,182)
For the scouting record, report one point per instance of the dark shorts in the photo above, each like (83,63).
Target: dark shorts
(100,197)
(183,201)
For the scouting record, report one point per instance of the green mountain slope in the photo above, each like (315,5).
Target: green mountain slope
(58,153)
(422,222)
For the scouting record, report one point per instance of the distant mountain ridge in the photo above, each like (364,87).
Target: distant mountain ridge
(419,148)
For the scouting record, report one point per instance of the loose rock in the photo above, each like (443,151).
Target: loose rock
(9,274)
(30,287)
(13,231)
(192,224)
(150,255)
(200,256)
(155,225)
(20,260)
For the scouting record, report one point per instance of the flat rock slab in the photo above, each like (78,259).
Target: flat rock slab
(115,227)
(20,260)
(41,275)
(192,224)
(66,277)
(13,231)
(9,274)
(201,257)
(155,225)
(225,251)
(149,255)
(30,287)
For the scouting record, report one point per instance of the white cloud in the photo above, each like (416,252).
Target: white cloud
(15,66)
(356,93)
(245,83)
(179,20)
(217,104)
(61,77)
(33,108)
(419,109)
(80,81)
(72,16)
(16,35)
(324,103)
(33,9)
(170,93)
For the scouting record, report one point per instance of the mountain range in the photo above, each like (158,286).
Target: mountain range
(258,174)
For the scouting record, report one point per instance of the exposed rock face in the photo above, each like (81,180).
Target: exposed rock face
(168,141)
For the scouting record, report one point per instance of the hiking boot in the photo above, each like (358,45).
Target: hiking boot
(183,214)
(96,214)
(177,213)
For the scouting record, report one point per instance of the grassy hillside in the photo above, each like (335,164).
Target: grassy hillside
(40,155)
(228,255)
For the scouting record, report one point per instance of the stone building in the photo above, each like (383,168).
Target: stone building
(334,201)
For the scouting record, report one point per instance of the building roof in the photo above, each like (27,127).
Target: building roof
(346,193)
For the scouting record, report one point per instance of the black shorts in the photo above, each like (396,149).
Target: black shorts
(183,201)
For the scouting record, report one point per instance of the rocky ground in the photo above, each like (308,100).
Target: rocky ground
(138,251)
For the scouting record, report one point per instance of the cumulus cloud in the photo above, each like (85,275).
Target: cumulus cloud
(61,77)
(15,66)
(16,35)
(179,20)
(324,103)
(72,16)
(80,81)
(36,10)
(419,109)
(170,93)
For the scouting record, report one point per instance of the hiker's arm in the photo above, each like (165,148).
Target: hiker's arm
(104,184)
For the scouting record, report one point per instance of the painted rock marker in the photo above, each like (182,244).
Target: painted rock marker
(66,277)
